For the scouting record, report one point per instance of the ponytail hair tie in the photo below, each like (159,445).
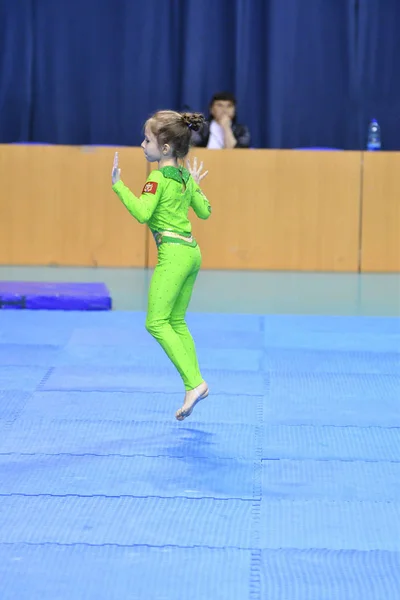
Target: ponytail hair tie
(193,121)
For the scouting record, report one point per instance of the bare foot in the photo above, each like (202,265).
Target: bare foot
(192,397)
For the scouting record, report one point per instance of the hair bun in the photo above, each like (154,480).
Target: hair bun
(193,120)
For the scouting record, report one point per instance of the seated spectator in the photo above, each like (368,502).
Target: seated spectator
(221,129)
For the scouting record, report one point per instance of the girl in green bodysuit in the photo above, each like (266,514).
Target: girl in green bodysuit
(164,204)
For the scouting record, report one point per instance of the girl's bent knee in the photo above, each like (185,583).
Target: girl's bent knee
(150,326)
(154,326)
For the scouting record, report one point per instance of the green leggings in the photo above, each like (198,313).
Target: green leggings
(169,296)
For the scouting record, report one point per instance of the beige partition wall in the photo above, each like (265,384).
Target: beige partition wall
(57,207)
(381,212)
(272,209)
(276,209)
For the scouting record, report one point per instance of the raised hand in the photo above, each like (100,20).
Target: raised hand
(225,121)
(116,172)
(196,172)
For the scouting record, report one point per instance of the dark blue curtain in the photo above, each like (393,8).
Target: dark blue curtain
(101,66)
(305,72)
(295,66)
(16,62)
(379,64)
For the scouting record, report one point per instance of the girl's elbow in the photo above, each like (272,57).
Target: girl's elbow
(143,218)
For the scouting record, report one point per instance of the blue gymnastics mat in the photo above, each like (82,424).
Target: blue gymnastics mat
(17,295)
(283,485)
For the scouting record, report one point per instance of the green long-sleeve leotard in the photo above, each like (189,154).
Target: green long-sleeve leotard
(164,205)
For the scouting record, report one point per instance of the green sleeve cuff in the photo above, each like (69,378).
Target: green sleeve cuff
(118,186)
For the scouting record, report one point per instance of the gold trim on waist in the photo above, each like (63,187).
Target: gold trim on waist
(176,235)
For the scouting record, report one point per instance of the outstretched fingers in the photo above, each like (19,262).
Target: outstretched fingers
(116,171)
(196,171)
(115,163)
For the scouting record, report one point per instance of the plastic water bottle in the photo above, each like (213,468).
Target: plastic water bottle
(374,136)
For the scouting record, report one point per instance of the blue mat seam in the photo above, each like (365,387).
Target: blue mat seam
(255,574)
(44,379)
(256,554)
(117,496)
(115,545)
(9,424)
(336,459)
(183,456)
(283,549)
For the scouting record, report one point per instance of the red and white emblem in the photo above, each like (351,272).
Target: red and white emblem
(150,187)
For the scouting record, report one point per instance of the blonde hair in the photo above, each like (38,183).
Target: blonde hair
(173,128)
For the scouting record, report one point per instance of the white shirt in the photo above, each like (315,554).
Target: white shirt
(216,139)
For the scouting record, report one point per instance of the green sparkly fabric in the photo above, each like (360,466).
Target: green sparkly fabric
(165,200)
